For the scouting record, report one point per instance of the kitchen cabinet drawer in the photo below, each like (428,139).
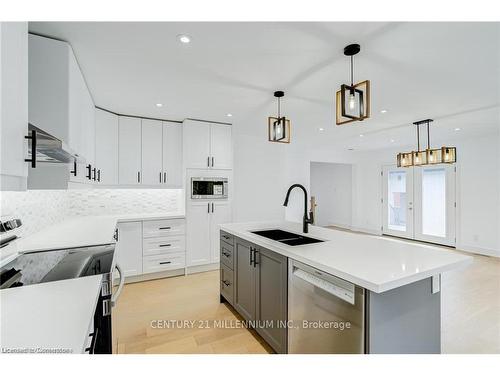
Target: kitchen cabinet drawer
(226,283)
(161,228)
(226,254)
(226,237)
(163,245)
(159,263)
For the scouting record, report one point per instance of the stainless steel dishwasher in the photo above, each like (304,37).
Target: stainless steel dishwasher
(327,313)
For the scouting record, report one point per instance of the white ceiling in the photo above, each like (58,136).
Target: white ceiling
(446,71)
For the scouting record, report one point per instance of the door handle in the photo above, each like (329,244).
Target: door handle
(115,296)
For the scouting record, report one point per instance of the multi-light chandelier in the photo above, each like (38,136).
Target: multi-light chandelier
(279,127)
(428,156)
(352,101)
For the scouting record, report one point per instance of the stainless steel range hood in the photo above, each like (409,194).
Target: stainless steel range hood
(49,149)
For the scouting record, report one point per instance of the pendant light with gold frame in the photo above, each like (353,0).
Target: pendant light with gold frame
(278,127)
(353,100)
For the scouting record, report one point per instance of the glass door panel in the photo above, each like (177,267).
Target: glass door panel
(435,204)
(397,202)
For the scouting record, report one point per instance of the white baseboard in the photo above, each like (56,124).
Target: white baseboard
(203,268)
(479,250)
(367,230)
(180,272)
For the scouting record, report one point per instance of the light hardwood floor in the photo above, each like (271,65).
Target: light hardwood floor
(470,314)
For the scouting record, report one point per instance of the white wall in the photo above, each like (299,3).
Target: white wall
(259,175)
(331,185)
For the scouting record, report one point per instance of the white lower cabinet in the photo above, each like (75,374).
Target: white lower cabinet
(150,246)
(202,233)
(129,248)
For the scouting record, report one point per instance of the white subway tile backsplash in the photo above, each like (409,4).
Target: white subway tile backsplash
(41,208)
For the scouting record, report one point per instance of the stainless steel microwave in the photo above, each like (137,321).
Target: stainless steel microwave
(208,188)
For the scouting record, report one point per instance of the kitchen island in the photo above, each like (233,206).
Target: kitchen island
(395,290)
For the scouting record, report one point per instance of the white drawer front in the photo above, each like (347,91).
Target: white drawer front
(160,228)
(163,245)
(159,263)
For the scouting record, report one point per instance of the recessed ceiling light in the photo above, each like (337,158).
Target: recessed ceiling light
(457,129)
(392,140)
(183,38)
(321,129)
(361,135)
(383,111)
(229,115)
(159,105)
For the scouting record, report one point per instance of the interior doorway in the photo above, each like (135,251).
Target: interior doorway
(419,203)
(331,194)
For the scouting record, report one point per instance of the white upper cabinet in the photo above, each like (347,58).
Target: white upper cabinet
(152,136)
(129,150)
(106,146)
(14,104)
(49,87)
(172,154)
(221,146)
(196,144)
(207,146)
(60,103)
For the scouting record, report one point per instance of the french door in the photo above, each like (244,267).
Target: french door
(419,203)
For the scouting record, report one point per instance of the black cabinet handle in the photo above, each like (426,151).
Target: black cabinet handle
(161,228)
(164,177)
(94,173)
(212,161)
(98,175)
(91,349)
(255,257)
(251,255)
(139,177)
(212,207)
(224,236)
(165,262)
(208,161)
(227,255)
(89,171)
(165,245)
(73,172)
(116,235)
(226,283)
(32,136)
(208,207)
(160,177)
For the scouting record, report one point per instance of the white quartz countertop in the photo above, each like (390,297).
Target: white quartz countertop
(55,315)
(78,232)
(372,262)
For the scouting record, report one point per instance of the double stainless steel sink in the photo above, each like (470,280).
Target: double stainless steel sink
(288,238)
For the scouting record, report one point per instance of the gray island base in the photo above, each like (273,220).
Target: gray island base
(256,282)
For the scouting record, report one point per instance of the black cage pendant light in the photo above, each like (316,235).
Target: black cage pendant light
(352,100)
(279,127)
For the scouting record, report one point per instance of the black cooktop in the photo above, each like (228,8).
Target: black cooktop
(45,266)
